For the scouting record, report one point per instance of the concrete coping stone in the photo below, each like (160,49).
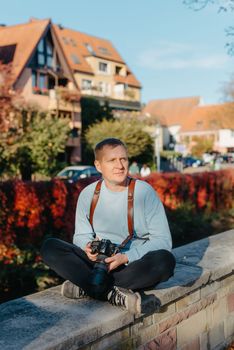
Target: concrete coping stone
(47,321)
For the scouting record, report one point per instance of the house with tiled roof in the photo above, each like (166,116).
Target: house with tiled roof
(213,122)
(99,69)
(54,66)
(167,116)
(42,73)
(182,122)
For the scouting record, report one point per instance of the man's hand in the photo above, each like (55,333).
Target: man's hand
(116,260)
(88,251)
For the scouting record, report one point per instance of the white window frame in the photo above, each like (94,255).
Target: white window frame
(106,71)
(88,86)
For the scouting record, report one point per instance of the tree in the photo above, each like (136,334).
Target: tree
(223,5)
(91,112)
(139,142)
(228,90)
(202,145)
(34,146)
(9,99)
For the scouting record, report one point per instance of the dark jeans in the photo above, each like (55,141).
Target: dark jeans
(72,263)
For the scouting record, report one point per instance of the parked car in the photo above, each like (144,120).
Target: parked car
(208,158)
(75,172)
(191,161)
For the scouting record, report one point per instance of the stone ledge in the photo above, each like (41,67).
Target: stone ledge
(46,320)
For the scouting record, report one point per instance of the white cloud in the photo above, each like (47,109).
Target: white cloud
(176,56)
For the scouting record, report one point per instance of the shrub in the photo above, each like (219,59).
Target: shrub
(31,211)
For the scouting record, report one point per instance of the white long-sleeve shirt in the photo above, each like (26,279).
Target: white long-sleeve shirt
(110,219)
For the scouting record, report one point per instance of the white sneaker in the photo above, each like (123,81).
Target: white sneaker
(125,298)
(70,290)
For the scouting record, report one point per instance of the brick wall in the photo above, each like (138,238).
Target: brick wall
(197,310)
(201,320)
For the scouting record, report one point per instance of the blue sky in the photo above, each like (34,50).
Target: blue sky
(173,51)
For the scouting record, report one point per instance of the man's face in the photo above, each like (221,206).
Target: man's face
(113,164)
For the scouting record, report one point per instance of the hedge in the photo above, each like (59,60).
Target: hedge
(31,211)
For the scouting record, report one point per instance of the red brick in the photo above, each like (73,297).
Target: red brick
(166,341)
(230,302)
(151,346)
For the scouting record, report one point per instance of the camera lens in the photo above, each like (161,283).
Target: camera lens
(99,279)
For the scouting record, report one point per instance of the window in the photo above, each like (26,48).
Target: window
(104,88)
(41,59)
(89,48)
(45,53)
(7,53)
(75,59)
(86,84)
(65,40)
(40,47)
(213,123)
(104,51)
(49,54)
(199,124)
(40,83)
(103,67)
(117,70)
(34,79)
(73,43)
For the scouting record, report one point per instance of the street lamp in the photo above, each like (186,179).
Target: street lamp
(157,145)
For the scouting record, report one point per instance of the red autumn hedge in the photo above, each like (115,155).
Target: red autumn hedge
(29,211)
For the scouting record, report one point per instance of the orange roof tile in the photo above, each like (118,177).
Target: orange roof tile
(171,111)
(25,37)
(77,46)
(210,118)
(75,43)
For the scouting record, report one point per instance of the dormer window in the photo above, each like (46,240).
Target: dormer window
(213,123)
(104,51)
(65,40)
(73,42)
(199,124)
(89,48)
(75,59)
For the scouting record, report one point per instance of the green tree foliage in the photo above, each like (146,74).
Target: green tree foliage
(202,145)
(139,142)
(34,146)
(9,99)
(91,112)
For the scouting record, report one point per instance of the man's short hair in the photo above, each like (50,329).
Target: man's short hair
(111,142)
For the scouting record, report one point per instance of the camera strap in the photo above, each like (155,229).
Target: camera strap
(131,187)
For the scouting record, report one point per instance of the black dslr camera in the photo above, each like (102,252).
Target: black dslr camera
(104,247)
(99,279)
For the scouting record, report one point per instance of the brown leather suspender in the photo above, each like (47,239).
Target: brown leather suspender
(94,201)
(131,187)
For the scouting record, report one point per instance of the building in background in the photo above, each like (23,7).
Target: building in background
(166,117)
(180,123)
(54,67)
(99,70)
(41,73)
(215,123)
